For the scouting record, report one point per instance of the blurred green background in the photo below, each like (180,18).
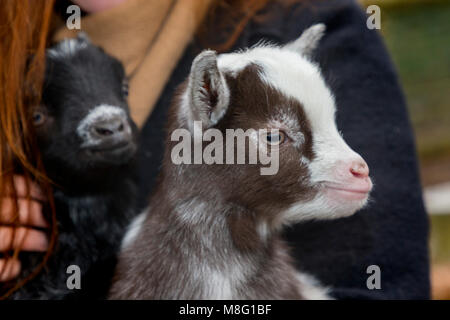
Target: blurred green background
(417,34)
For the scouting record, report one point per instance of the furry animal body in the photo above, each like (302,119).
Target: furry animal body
(213,231)
(88,143)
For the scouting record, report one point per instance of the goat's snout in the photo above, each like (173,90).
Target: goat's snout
(106,128)
(351,179)
(109,133)
(113,128)
(359,168)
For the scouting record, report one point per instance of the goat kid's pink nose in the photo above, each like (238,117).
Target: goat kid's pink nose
(359,169)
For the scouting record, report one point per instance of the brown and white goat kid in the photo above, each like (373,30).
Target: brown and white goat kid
(214,231)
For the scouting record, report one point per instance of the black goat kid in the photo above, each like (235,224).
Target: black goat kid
(88,143)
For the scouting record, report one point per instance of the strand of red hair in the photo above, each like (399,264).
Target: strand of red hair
(24,28)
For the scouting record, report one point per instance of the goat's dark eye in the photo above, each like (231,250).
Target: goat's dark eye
(125,87)
(38,118)
(275,138)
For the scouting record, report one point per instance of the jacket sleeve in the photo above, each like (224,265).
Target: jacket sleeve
(392,231)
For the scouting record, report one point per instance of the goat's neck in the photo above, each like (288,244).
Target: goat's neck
(221,229)
(86,210)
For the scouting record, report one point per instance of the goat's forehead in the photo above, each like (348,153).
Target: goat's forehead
(73,54)
(66,48)
(292,75)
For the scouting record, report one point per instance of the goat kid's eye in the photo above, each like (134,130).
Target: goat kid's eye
(275,138)
(38,118)
(125,87)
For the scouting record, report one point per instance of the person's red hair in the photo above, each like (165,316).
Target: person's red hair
(24,27)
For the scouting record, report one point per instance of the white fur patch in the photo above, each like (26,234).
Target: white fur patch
(218,285)
(311,289)
(102,112)
(263,231)
(192,212)
(133,229)
(67,47)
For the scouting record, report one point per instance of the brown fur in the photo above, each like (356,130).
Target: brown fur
(172,258)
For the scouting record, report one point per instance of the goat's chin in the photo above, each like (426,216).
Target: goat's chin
(109,157)
(323,207)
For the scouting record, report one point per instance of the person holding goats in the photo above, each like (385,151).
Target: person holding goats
(157,53)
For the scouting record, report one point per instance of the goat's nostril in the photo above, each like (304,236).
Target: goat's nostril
(109,128)
(103,131)
(359,169)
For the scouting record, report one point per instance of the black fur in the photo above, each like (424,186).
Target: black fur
(93,194)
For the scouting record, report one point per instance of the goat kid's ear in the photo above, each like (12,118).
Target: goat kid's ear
(308,41)
(208,92)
